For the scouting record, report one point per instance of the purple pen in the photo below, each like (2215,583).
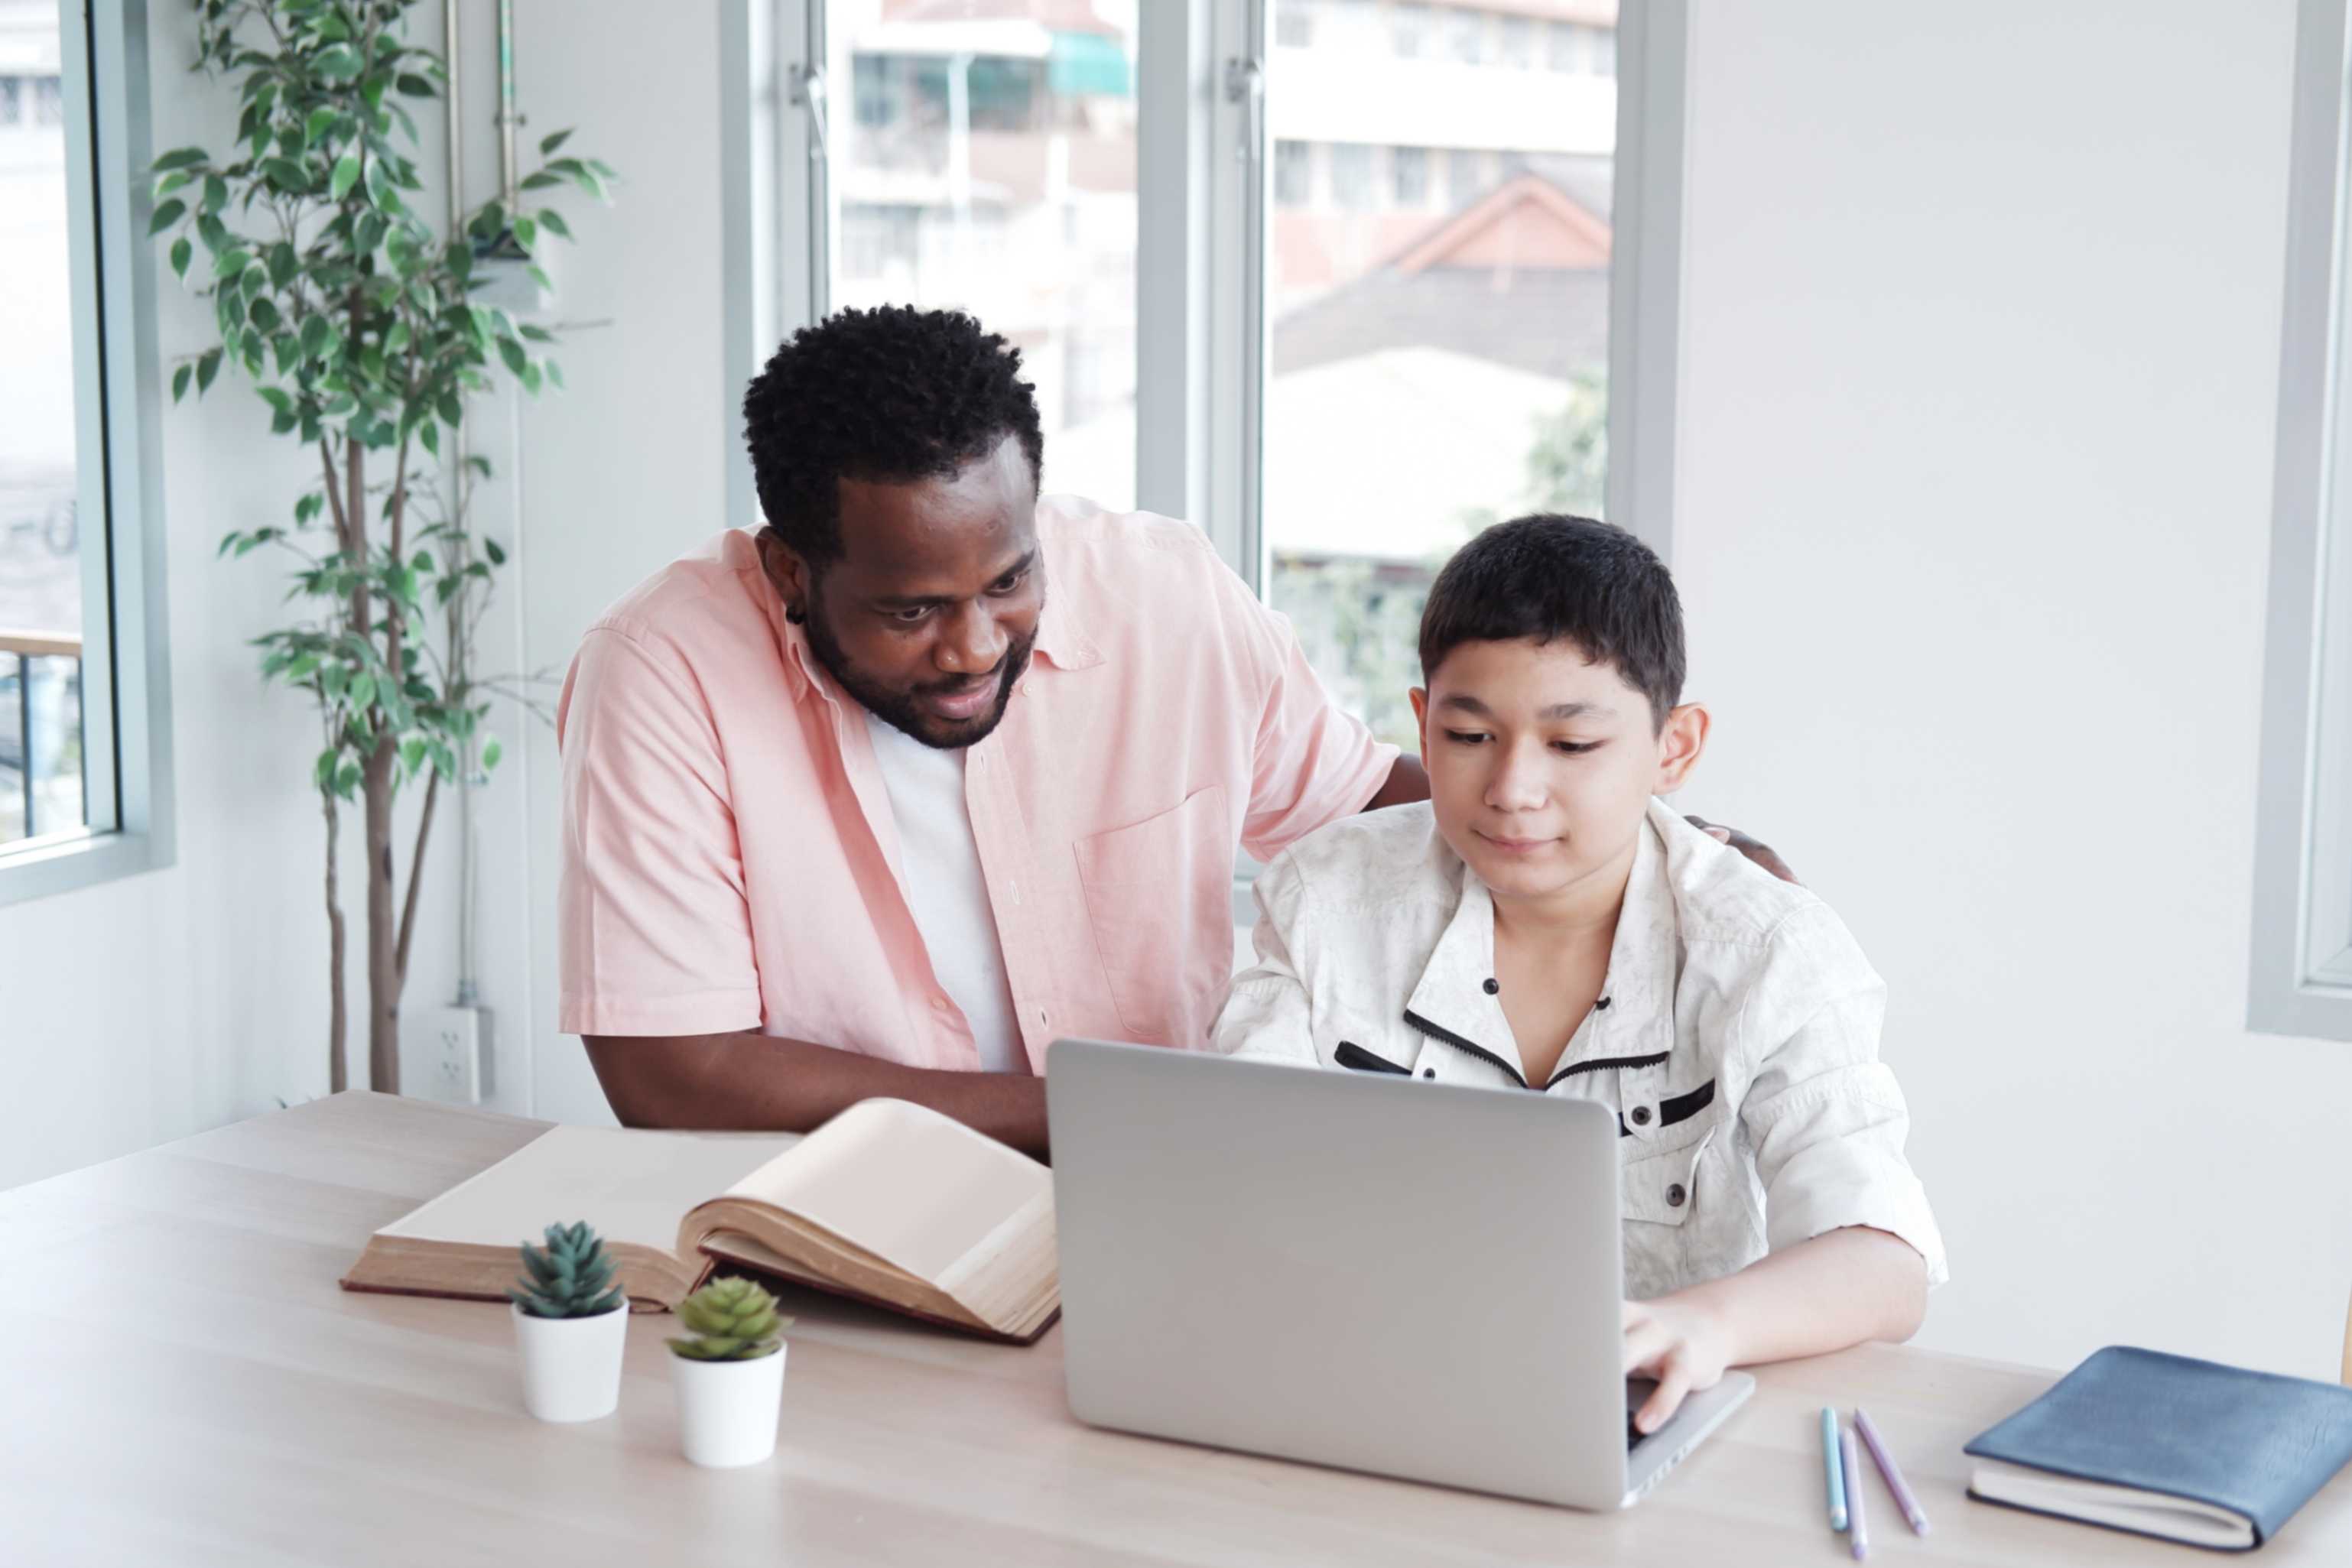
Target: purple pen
(1884,1457)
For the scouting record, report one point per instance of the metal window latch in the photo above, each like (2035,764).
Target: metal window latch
(808,91)
(1246,84)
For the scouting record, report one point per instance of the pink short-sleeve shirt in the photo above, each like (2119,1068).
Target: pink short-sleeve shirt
(729,857)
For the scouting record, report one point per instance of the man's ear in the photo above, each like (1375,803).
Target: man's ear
(784,568)
(1679,745)
(1419,695)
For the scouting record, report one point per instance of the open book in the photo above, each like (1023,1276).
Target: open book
(889,1202)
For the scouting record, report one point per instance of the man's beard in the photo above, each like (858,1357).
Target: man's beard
(902,710)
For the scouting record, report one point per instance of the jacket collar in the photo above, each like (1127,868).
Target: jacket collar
(1633,1023)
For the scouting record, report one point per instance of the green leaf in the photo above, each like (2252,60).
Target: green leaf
(539,182)
(360,693)
(552,222)
(207,369)
(430,435)
(414,86)
(512,352)
(531,378)
(316,336)
(548,144)
(282,264)
(491,752)
(412,753)
(216,192)
(347,174)
(180,251)
(338,63)
(322,121)
(453,413)
(180,381)
(179,158)
(286,175)
(555,373)
(541,277)
(495,551)
(169,212)
(323,770)
(537,334)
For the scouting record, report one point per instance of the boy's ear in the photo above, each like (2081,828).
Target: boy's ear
(1419,695)
(1679,745)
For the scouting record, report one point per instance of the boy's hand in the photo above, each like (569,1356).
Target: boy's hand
(1762,854)
(1680,1343)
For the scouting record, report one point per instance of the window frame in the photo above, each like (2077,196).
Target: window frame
(2300,968)
(1201,348)
(118,384)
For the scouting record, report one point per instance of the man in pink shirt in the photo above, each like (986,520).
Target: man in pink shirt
(928,773)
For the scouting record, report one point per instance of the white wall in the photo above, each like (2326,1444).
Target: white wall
(1982,341)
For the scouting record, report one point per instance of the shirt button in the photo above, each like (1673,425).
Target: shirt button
(1641,1115)
(1675,1195)
(1429,1072)
(1492,986)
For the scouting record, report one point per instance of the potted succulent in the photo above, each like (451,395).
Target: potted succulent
(731,1373)
(572,1323)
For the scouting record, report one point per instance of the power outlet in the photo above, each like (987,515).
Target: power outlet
(449,1056)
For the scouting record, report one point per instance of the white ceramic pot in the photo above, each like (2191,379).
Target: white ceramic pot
(727,1410)
(571,1366)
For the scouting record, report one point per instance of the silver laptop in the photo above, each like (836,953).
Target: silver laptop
(1411,1279)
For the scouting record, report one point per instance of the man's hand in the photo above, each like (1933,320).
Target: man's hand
(1762,854)
(1683,1344)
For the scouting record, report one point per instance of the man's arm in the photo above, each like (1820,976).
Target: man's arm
(747,1081)
(1407,781)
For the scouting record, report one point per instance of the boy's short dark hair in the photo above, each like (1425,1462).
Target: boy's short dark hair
(1550,577)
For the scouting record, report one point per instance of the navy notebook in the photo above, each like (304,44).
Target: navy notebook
(2161,1444)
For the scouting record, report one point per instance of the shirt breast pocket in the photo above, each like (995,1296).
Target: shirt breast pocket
(1159,899)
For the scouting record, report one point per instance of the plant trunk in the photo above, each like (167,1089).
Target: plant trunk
(338,1071)
(383,928)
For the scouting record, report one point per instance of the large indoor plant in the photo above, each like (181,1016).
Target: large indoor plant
(358,327)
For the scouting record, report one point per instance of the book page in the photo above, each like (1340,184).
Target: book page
(910,1186)
(632,1186)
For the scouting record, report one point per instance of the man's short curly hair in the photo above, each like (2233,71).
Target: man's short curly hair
(892,394)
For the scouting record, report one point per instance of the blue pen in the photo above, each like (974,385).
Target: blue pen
(1833,1464)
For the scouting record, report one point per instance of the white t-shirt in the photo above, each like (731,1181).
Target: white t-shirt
(945,887)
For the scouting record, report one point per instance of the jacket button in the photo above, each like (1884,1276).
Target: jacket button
(1641,1115)
(1492,986)
(1675,1195)
(1429,1072)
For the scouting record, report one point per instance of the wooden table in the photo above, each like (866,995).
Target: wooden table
(184,1383)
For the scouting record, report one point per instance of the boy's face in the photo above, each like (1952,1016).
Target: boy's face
(1541,762)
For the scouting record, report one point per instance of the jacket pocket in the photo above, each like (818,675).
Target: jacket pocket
(1159,899)
(1662,1189)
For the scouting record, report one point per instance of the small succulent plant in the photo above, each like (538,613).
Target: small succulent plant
(732,1320)
(571,1277)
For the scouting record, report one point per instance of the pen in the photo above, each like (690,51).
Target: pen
(1885,1457)
(1853,1468)
(1834,1467)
